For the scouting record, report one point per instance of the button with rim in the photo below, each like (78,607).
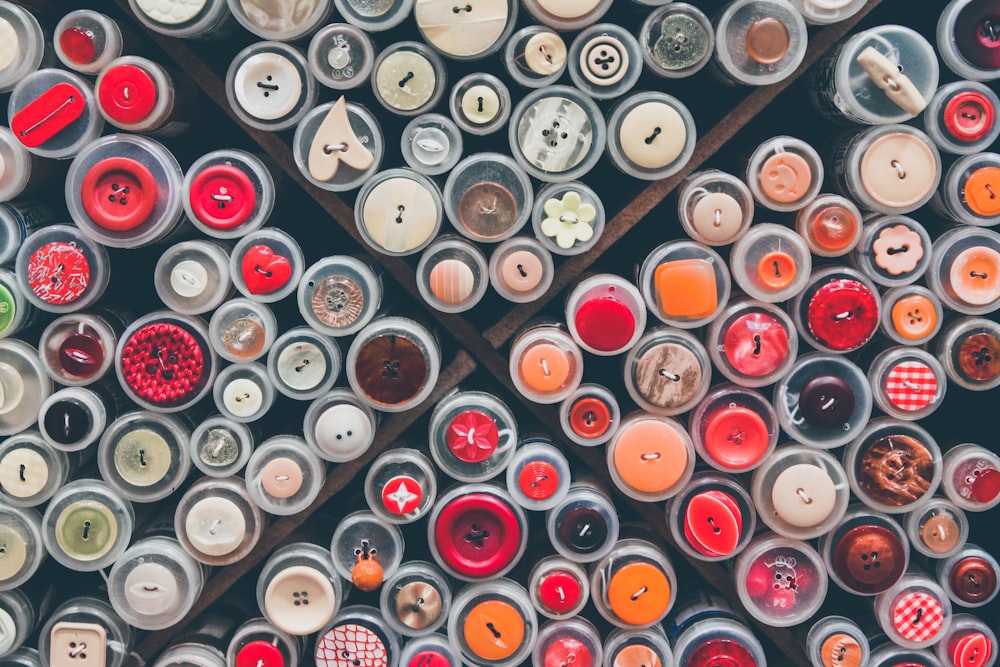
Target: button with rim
(494,630)
(969,116)
(804,495)
(639,593)
(402,495)
(222,196)
(604,60)
(268,86)
(736,437)
(300,600)
(713,523)
(477,535)
(869,558)
(650,457)
(119,194)
(940,533)
(843,314)
(914,317)
(127,94)
(260,654)
(545,53)
(974,649)
(973,580)
(756,344)
(590,417)
(827,401)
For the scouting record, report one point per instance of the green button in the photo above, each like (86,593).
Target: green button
(8,308)
(86,530)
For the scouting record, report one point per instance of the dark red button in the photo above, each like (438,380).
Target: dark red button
(756,344)
(472,436)
(478,535)
(605,324)
(58,273)
(721,653)
(566,651)
(736,437)
(869,558)
(264,271)
(127,94)
(429,659)
(969,116)
(583,529)
(973,580)
(843,314)
(713,523)
(81,355)
(972,650)
(538,480)
(119,193)
(826,401)
(48,115)
(986,486)
(590,417)
(222,196)
(78,45)
(260,654)
(559,592)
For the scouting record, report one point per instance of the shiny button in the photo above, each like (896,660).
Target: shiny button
(940,533)
(768,40)
(649,456)
(756,344)
(462,29)
(343,431)
(590,417)
(843,314)
(418,605)
(827,401)
(268,86)
(736,437)
(222,196)
(480,104)
(974,649)
(494,630)
(713,523)
(668,375)
(639,593)
(545,53)
(263,270)
(478,535)
(914,317)
(119,194)
(127,94)
(555,134)
(472,436)
(48,115)
(560,592)
(896,470)
(975,276)
(973,580)
(487,210)
(869,558)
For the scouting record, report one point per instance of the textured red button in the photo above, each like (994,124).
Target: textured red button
(869,558)
(713,523)
(972,650)
(477,535)
(429,659)
(222,196)
(566,651)
(756,344)
(590,417)
(127,94)
(605,324)
(472,436)
(118,193)
(78,45)
(559,592)
(843,314)
(969,116)
(538,480)
(736,437)
(260,654)
(49,114)
(721,653)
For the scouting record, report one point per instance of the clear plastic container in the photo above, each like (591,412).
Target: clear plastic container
(21,532)
(969,350)
(651,135)
(303,364)
(24,385)
(201,20)
(650,458)
(758,42)
(409,78)
(648,645)
(961,117)
(570,639)
(87,41)
(183,654)
(488,197)
(546,364)
(339,427)
(969,641)
(539,475)
(87,525)
(780,581)
(32,108)
(938,530)
(559,587)
(784,173)
(269,21)
(898,612)
(752,343)
(521,269)
(472,435)
(911,314)
(968,190)
(605,61)
(27,44)
(431,144)
(257,639)
(16,312)
(243,392)
(733,429)
(86,619)
(771,263)
(907,382)
(964,270)
(613,582)
(584,527)
(567,15)
(452,275)
(568,218)
(242,330)
(667,372)
(713,518)
(269,86)
(535,56)
(970,477)
(217,522)
(866,553)
(838,311)
(677,40)
(338,146)
(339,295)
(374,17)
(466,34)
(220,447)
(824,401)
(393,364)
(715,208)
(283,476)
(60,270)
(143,455)
(960,42)
(192,277)
(136,94)
(969,577)
(415,600)
(228,193)
(155,583)
(266,265)
(480,103)
(831,225)
(825,12)
(18,167)
(359,632)
(834,639)
(474,607)
(590,415)
(361,539)
(341,56)
(78,349)
(401,486)
(605,314)
(41,469)
(685,284)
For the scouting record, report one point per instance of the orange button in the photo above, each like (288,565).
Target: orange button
(590,417)
(914,317)
(982,191)
(686,288)
(650,456)
(494,630)
(975,276)
(776,270)
(785,177)
(637,655)
(841,650)
(834,229)
(639,593)
(545,367)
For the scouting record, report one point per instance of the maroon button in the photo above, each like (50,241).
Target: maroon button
(119,193)
(48,115)
(429,659)
(472,436)
(843,314)
(222,196)
(721,652)
(973,580)
(826,401)
(81,355)
(559,592)
(127,94)
(478,535)
(869,558)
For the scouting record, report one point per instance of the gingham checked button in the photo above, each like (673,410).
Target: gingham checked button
(911,385)
(918,616)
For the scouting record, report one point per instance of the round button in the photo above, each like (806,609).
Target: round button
(776,270)
(418,605)
(151,589)
(268,86)
(756,344)
(281,477)
(400,214)
(480,104)
(979,357)
(973,649)
(487,210)
(555,134)
(567,651)
(668,375)
(521,271)
(81,355)
(119,194)
(142,457)
(827,401)
(590,417)
(343,431)
(545,53)
(899,170)
(353,642)
(975,276)
(478,535)
(804,495)
(896,470)
(406,80)
(538,480)
(834,229)
(243,397)
(911,386)
(639,593)
(127,94)
(785,177)
(969,116)
(222,196)
(462,29)
(869,558)
(172,13)
(980,191)
(188,279)
(914,317)
(545,367)
(299,600)
(940,533)
(843,314)
(736,437)
(76,43)
(402,495)
(560,592)
(452,281)
(337,301)
(713,523)
(768,40)
(653,135)
(717,217)
(302,366)
(650,456)
(430,146)
(215,526)
(568,9)
(604,61)
(429,659)
(23,473)
(494,630)
(605,324)
(841,650)
(472,436)
(260,654)
(583,529)
(918,617)
(973,580)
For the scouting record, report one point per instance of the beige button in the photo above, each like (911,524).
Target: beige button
(604,60)
(399,214)
(215,526)
(171,12)
(804,495)
(335,143)
(545,53)
(23,473)
(14,554)
(652,135)
(405,80)
(480,104)
(898,170)
(142,457)
(717,217)
(188,278)
(150,589)
(462,29)
(243,397)
(8,44)
(281,478)
(568,9)
(300,600)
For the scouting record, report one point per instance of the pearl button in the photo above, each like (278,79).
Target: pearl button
(480,104)
(555,134)
(545,53)
(243,397)
(400,214)
(302,366)
(804,495)
(268,86)
(343,431)
(189,279)
(653,135)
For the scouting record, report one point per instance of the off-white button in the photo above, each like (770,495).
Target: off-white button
(339,56)
(430,146)
(344,431)
(11,388)
(23,473)
(480,104)
(14,555)
(8,632)
(652,135)
(545,53)
(300,600)
(302,366)
(399,214)
(462,29)
(171,12)
(9,44)
(604,61)
(717,217)
(405,80)
(268,86)
(151,589)
(242,397)
(188,279)
(804,495)
(568,9)
(215,526)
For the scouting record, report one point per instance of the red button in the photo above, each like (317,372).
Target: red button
(472,436)
(429,659)
(986,486)
(969,116)
(50,113)
(843,314)
(713,523)
(538,480)
(736,438)
(119,193)
(973,580)
(222,196)
(721,653)
(78,45)
(565,651)
(869,558)
(559,592)
(774,582)
(605,324)
(127,94)
(402,495)
(478,535)
(590,417)
(756,344)
(58,273)
(264,271)
(81,355)
(972,650)
(260,654)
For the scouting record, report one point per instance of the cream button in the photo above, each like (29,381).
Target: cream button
(898,170)
(268,86)
(717,217)
(9,44)
(344,431)
(281,478)
(188,279)
(804,495)
(545,53)
(23,473)
(462,29)
(405,80)
(8,632)
(604,60)
(215,526)
(243,397)
(652,135)
(151,589)
(171,12)
(302,366)
(568,9)
(14,554)
(399,214)
(430,146)
(142,457)
(11,388)
(480,104)
(300,600)
(339,56)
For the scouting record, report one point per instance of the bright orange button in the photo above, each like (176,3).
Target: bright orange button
(686,288)
(785,177)
(494,630)
(590,417)
(834,229)
(982,191)
(650,456)
(639,593)
(776,270)
(914,317)
(545,367)
(975,276)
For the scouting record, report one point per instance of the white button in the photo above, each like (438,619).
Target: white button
(430,146)
(9,44)
(462,28)
(171,12)
(344,432)
(399,214)
(11,388)
(243,397)
(14,555)
(268,86)
(151,589)
(804,495)
(480,104)
(300,600)
(339,55)
(652,135)
(604,61)
(568,9)
(215,526)
(302,366)
(8,632)
(406,80)
(545,53)
(23,473)
(188,278)
(555,134)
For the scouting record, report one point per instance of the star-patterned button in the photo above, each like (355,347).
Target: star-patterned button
(402,495)
(473,436)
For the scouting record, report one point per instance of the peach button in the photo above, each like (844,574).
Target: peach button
(898,170)
(975,276)
(717,217)
(281,478)
(452,281)
(776,270)
(914,317)
(545,367)
(768,40)
(785,177)
(494,630)
(898,250)
(834,228)
(637,655)
(686,288)
(639,593)
(940,533)
(650,456)
(521,271)
(300,600)
(981,191)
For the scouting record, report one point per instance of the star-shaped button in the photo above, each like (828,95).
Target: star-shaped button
(402,495)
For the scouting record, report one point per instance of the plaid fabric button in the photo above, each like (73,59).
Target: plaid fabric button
(918,617)
(911,386)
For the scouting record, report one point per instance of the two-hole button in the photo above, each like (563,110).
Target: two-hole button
(268,86)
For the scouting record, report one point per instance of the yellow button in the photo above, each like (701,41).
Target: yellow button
(480,104)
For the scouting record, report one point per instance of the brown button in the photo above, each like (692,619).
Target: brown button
(979,357)
(768,40)
(337,301)
(896,470)
(418,605)
(940,533)
(668,375)
(869,558)
(973,580)
(487,210)
(827,401)
(391,369)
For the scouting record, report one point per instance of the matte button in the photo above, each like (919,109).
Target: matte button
(478,535)
(777,270)
(639,593)
(567,651)
(59,273)
(918,617)
(494,630)
(785,177)
(472,436)
(300,600)
(48,115)
(119,194)
(869,558)
(827,401)
(222,196)
(650,456)
(736,437)
(127,94)
(914,317)
(940,533)
(545,53)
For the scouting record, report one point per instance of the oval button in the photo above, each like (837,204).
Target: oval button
(713,523)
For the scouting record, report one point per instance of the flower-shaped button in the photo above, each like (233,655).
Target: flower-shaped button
(569,220)
(473,436)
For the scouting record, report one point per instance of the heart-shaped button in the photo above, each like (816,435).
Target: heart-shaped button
(265,271)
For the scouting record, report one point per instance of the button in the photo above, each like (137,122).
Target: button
(344,431)
(650,456)
(86,530)
(76,43)
(583,529)
(23,473)
(640,655)
(48,114)
(687,289)
(842,314)
(980,192)
(785,177)
(545,367)
(569,220)
(560,592)
(975,276)
(472,436)
(15,554)
(969,116)
(300,600)
(781,581)
(653,135)
(899,170)
(639,593)
(68,639)
(940,533)
(668,375)
(143,457)
(722,653)
(545,53)
(336,142)
(402,495)
(478,535)
(263,270)
(538,480)
(975,478)
(776,270)
(841,650)
(590,417)
(555,134)
(452,281)
(896,470)
(918,617)
(268,86)
(768,40)
(119,194)
(567,651)
(480,104)
(337,301)
(605,324)
(260,654)
(222,196)
(151,589)
(911,386)
(914,317)
(243,397)
(80,355)
(979,357)
(431,146)
(521,271)
(756,344)
(604,60)
(302,366)
(281,478)
(568,9)
(827,401)
(127,94)
(400,214)
(406,80)
(898,250)
(834,229)
(713,523)
(869,558)
(487,210)
(736,437)
(215,526)
(429,659)
(9,44)
(717,217)
(418,605)
(682,44)
(188,279)
(804,495)
(493,630)
(462,29)
(172,12)
(973,649)
(391,369)
(973,580)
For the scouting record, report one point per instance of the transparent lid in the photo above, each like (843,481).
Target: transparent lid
(590,415)
(242,330)
(360,540)
(677,40)
(15,165)
(866,553)
(217,522)
(269,21)
(341,56)
(830,224)
(760,42)
(243,392)
(650,458)
(752,343)
(24,42)
(966,189)
(567,15)
(376,16)
(546,364)
(192,277)
(41,93)
(198,20)
(939,529)
(298,590)
(780,581)
(143,455)
(838,311)
(771,262)
(970,477)
(303,364)
(472,435)
(415,601)
(86,41)
(77,349)
(613,581)
(284,477)
(488,197)
(475,603)
(155,583)
(393,364)
(961,117)
(969,349)
(339,295)
(21,532)
(585,526)
(715,208)
(24,386)
(269,86)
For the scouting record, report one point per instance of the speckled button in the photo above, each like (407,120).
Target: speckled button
(895,470)
(668,375)
(406,80)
